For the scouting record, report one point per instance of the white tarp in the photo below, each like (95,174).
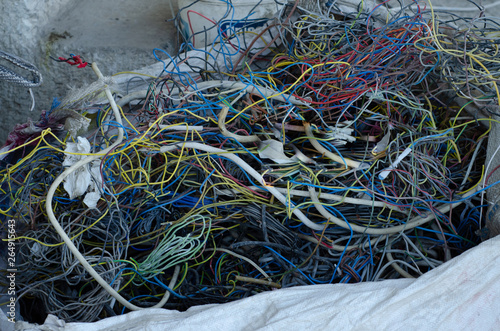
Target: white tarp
(462,294)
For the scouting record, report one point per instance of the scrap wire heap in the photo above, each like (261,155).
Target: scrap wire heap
(341,152)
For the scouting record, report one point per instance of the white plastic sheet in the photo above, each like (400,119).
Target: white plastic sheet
(84,179)
(462,294)
(274,150)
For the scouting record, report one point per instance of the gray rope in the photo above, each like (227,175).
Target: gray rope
(12,77)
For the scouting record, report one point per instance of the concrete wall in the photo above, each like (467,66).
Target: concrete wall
(118,34)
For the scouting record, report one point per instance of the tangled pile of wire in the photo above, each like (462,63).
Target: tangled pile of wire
(340,152)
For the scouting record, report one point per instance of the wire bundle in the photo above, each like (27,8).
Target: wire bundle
(342,155)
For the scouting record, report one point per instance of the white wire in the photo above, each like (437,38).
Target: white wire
(241,257)
(469,168)
(395,265)
(55,223)
(225,132)
(263,91)
(328,196)
(251,171)
(417,221)
(32,99)
(346,162)
(340,248)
